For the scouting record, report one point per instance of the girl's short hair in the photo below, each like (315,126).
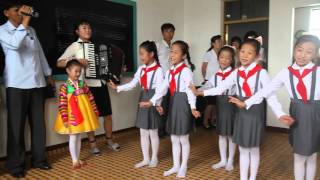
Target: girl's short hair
(256,44)
(167,26)
(252,34)
(73,62)
(231,51)
(309,38)
(213,40)
(235,39)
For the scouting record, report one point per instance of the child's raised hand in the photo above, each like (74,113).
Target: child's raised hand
(66,124)
(145,104)
(112,85)
(286,119)
(237,102)
(160,110)
(196,113)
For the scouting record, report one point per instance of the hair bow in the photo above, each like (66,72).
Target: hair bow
(259,39)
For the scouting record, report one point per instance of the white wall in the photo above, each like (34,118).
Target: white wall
(202,20)
(281,26)
(151,14)
(195,24)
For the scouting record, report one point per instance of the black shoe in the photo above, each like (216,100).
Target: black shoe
(42,166)
(18,174)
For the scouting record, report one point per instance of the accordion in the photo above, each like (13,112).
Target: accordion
(104,61)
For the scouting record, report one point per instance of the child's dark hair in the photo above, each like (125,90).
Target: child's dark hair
(78,24)
(81,22)
(235,39)
(213,40)
(150,46)
(73,62)
(167,26)
(12,4)
(231,51)
(309,38)
(251,34)
(185,51)
(253,43)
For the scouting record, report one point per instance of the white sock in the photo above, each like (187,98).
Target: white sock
(145,143)
(73,147)
(176,151)
(223,153)
(244,162)
(155,147)
(299,166)
(254,162)
(311,168)
(232,151)
(185,144)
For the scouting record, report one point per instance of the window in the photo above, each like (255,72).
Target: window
(314,26)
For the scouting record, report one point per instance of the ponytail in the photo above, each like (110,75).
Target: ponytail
(213,40)
(150,47)
(185,51)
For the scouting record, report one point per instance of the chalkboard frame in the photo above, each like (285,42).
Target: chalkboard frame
(62,77)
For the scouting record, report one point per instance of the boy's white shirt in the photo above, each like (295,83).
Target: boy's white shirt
(75,51)
(163,49)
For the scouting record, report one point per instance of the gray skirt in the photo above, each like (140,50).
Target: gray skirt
(249,127)
(225,116)
(180,121)
(304,134)
(147,118)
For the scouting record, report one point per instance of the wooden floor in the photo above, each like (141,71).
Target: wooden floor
(276,160)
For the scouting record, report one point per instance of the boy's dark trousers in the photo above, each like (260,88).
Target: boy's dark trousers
(23,103)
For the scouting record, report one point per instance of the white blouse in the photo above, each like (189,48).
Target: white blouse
(157,80)
(186,78)
(231,80)
(211,58)
(75,51)
(282,79)
(232,90)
